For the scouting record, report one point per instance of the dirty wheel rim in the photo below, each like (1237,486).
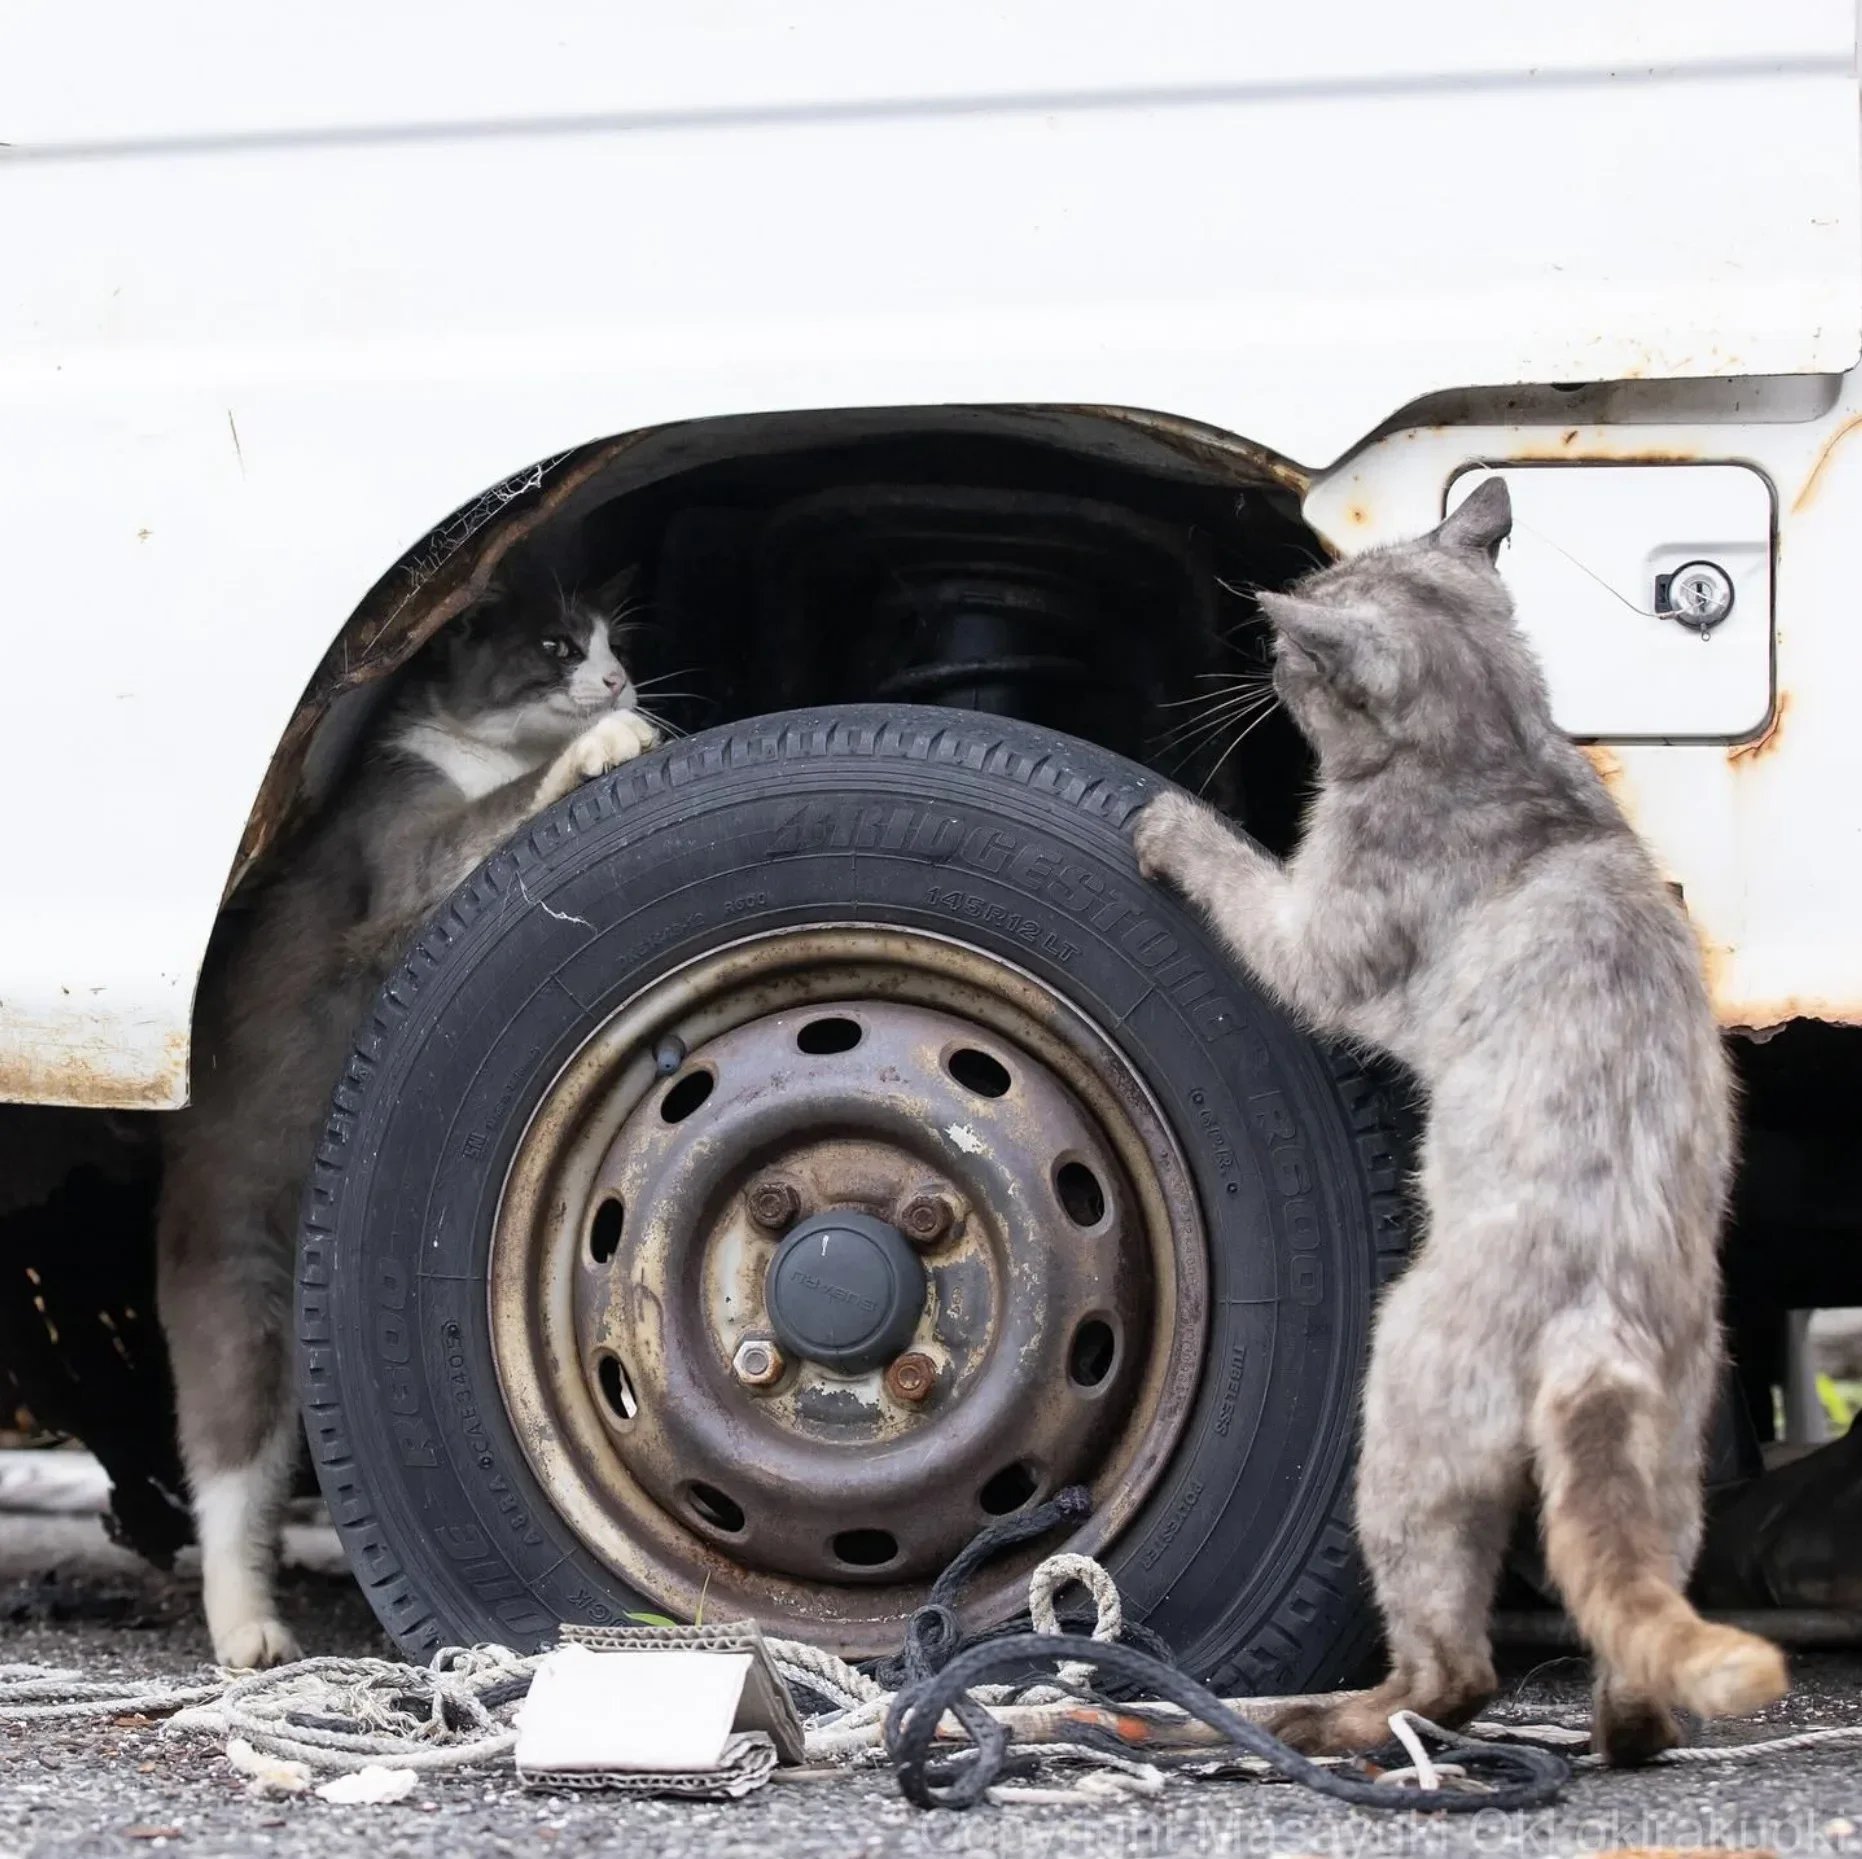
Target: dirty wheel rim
(828,1248)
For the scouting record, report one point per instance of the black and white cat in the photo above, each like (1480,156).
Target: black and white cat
(521,701)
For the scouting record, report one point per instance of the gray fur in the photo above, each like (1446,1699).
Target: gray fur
(523,699)
(1468,898)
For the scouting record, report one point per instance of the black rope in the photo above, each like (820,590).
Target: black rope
(810,1699)
(505,1691)
(932,1638)
(1080,1622)
(935,1670)
(1520,1775)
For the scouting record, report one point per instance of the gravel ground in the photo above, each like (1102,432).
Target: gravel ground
(67,1598)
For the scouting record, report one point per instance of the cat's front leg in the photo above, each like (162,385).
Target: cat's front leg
(1192,848)
(1246,892)
(414,873)
(608,742)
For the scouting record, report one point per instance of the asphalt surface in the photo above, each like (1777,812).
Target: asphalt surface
(68,1599)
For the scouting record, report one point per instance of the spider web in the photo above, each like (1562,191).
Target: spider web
(438,547)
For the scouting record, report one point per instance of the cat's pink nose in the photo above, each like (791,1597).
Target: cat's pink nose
(616,682)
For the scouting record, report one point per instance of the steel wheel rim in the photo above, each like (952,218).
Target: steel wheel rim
(619,1372)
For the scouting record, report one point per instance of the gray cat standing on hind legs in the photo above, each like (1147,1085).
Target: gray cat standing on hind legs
(1467,898)
(522,700)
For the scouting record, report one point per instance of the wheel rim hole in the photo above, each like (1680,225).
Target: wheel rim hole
(1093,1351)
(604,1233)
(715,1507)
(866,1549)
(686,1095)
(831,1035)
(1009,1489)
(979,1072)
(1080,1193)
(617,1387)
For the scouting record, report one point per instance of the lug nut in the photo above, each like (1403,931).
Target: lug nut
(774,1204)
(758,1362)
(926,1218)
(911,1377)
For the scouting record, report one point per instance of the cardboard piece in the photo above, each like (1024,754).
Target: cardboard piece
(695,1711)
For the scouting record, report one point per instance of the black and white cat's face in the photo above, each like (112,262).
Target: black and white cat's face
(534,668)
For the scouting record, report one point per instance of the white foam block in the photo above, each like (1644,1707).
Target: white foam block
(648,1711)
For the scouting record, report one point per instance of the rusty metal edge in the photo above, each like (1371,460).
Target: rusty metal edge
(394,621)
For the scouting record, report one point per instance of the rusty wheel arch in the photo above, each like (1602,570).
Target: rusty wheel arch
(433,583)
(453,564)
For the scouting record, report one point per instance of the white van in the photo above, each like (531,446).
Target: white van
(951,374)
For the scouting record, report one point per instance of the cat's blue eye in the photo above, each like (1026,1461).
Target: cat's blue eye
(559,648)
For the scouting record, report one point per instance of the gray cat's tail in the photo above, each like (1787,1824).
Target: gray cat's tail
(1600,1447)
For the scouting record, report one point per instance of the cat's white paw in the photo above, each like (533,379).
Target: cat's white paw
(609,741)
(254,1643)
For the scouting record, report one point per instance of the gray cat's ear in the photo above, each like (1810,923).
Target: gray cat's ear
(1321,630)
(1349,651)
(1482,523)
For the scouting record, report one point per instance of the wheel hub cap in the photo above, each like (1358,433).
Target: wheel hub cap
(845,1291)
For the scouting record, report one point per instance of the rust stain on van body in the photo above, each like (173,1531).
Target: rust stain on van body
(35,1069)
(1814,482)
(1765,743)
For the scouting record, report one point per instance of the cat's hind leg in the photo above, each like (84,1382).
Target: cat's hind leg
(236,1516)
(1620,1494)
(1439,1483)
(224,1295)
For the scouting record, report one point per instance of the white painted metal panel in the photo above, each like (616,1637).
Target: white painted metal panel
(1285,222)
(282,287)
(1764,837)
(1591,549)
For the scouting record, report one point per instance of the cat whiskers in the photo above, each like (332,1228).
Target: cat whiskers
(656,686)
(1189,749)
(1190,736)
(669,732)
(1254,723)
(1252,679)
(1217,713)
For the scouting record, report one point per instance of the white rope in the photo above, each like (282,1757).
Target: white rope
(411,1718)
(1403,1728)
(350,1714)
(822,1672)
(1749,1752)
(1113,1778)
(38,1693)
(1047,1581)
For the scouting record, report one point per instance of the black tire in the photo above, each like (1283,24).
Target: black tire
(1242,1559)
